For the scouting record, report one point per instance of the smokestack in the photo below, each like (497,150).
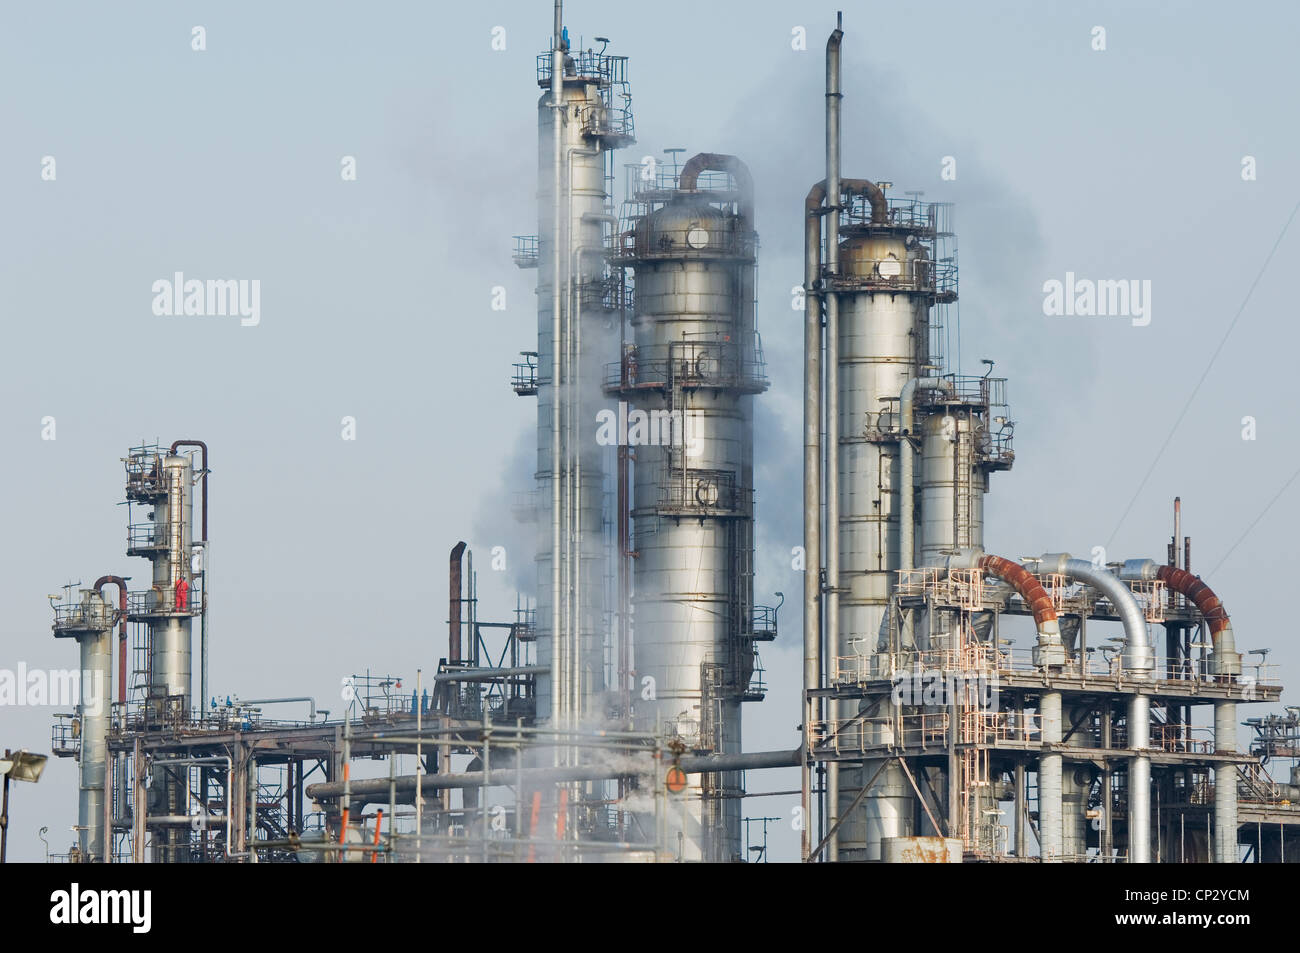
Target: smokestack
(453,604)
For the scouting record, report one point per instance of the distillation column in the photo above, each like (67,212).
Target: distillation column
(164,481)
(90,622)
(885,291)
(573,291)
(687,383)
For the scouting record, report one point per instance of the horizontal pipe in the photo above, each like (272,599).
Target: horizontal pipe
(636,766)
(282,701)
(487,674)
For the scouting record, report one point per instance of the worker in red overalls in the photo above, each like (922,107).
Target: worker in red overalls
(182,594)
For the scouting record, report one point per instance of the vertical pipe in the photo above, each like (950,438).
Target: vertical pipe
(1225,784)
(1021,811)
(907,522)
(812,497)
(392,801)
(557,104)
(419,758)
(832,307)
(1139,795)
(1051,831)
(453,605)
(1178,528)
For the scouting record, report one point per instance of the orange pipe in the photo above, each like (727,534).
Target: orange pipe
(1201,595)
(532,823)
(379,823)
(1025,583)
(343,828)
(561,813)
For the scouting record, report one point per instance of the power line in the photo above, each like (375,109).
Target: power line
(1204,374)
(1262,513)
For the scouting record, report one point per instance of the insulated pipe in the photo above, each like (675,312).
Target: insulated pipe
(1138,658)
(1051,830)
(1225,784)
(831,304)
(1049,650)
(1138,662)
(1225,660)
(907,527)
(99,585)
(1139,794)
(453,605)
(631,767)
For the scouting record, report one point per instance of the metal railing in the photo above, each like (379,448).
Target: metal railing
(763,624)
(526,254)
(609,122)
(607,70)
(144,470)
(693,492)
(1001,727)
(898,274)
(984,657)
(142,537)
(688,364)
(1182,738)
(77,616)
(525,380)
(855,735)
(160,602)
(65,736)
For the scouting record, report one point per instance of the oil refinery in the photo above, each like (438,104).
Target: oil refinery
(961,701)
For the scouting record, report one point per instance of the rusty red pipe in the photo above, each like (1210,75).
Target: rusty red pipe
(873,192)
(100,583)
(1216,616)
(1025,583)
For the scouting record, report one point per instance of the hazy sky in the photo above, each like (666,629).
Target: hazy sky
(329,556)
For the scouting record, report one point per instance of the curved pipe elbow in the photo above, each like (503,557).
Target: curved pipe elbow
(875,195)
(1225,659)
(1138,657)
(688,180)
(1049,651)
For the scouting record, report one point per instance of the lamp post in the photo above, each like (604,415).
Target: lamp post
(25,767)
